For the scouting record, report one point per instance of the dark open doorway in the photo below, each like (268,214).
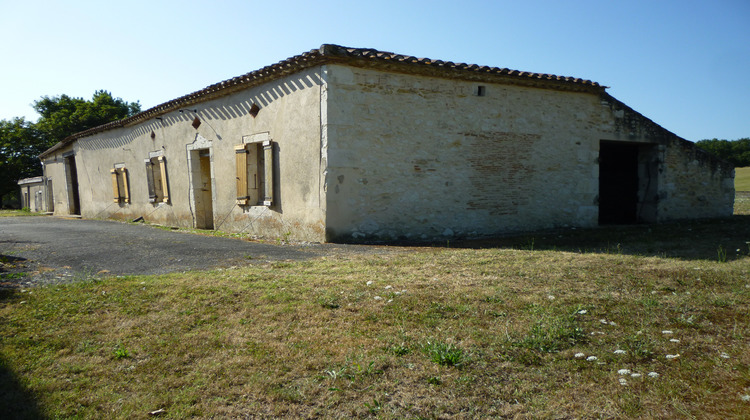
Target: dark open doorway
(627,183)
(71,175)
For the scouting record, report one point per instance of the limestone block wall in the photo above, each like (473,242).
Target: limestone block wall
(419,157)
(696,185)
(288,115)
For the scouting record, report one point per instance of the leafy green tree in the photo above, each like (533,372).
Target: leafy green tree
(22,141)
(735,151)
(19,147)
(62,115)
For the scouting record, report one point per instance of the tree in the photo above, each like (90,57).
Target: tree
(62,116)
(736,151)
(21,141)
(19,147)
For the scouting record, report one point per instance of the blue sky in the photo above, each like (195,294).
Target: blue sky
(684,64)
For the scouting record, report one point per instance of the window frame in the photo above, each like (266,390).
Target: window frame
(156,178)
(254,162)
(120,184)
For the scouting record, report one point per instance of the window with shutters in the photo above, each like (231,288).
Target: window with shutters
(120,187)
(156,176)
(254,161)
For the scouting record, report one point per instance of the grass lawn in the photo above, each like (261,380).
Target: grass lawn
(626,322)
(14,213)
(742,179)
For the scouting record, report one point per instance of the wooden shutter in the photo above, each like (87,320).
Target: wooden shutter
(267,173)
(240,152)
(125,186)
(164,185)
(115,186)
(150,181)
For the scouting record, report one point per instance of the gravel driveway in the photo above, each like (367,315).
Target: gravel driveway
(42,250)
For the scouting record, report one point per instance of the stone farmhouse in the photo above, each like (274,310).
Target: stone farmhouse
(348,144)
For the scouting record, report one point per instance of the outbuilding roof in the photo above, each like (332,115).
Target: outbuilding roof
(358,57)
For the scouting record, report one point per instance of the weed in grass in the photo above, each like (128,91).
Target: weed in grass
(87,347)
(650,302)
(85,275)
(441,311)
(631,405)
(12,276)
(721,254)
(639,349)
(617,250)
(374,407)
(494,299)
(721,302)
(400,349)
(335,374)
(553,333)
(688,320)
(368,370)
(445,354)
(434,380)
(524,356)
(497,314)
(328,301)
(120,352)
(283,393)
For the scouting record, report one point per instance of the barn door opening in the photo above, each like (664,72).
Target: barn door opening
(71,178)
(627,183)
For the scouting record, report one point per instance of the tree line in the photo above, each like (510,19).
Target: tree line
(22,141)
(735,151)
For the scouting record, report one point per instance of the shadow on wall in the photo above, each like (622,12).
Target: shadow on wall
(239,109)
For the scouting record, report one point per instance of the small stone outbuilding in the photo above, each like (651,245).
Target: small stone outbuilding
(341,144)
(34,194)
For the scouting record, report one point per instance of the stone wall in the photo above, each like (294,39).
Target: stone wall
(417,157)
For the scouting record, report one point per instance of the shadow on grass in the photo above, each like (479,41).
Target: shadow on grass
(12,270)
(15,401)
(715,239)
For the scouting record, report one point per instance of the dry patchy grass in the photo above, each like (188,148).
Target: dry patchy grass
(742,179)
(742,203)
(16,213)
(431,333)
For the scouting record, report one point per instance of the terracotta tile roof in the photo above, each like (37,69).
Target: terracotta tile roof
(358,57)
(383,56)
